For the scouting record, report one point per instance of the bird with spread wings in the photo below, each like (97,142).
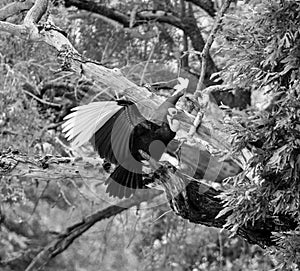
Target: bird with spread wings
(119,133)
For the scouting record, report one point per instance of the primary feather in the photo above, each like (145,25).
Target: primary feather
(86,120)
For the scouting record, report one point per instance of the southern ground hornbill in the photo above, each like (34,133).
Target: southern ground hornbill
(118,132)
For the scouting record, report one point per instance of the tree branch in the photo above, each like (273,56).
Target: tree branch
(120,17)
(17,30)
(210,40)
(204,59)
(187,24)
(36,12)
(96,7)
(63,241)
(13,163)
(15,8)
(206,5)
(200,204)
(28,30)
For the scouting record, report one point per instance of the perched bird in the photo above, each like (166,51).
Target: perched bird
(119,133)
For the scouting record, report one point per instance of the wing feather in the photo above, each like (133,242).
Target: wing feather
(108,126)
(114,140)
(81,124)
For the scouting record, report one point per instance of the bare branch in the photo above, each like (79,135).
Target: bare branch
(41,100)
(15,8)
(63,241)
(17,30)
(210,40)
(28,29)
(96,7)
(204,57)
(206,5)
(187,24)
(36,12)
(85,14)
(49,168)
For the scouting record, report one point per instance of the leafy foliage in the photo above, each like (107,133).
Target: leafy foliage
(264,45)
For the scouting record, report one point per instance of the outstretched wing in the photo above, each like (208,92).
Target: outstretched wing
(83,123)
(107,125)
(114,140)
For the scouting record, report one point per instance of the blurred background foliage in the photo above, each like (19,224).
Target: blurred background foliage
(256,51)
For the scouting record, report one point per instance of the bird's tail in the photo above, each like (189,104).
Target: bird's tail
(123,182)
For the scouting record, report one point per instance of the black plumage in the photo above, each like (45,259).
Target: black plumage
(118,132)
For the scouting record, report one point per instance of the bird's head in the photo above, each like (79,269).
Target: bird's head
(167,110)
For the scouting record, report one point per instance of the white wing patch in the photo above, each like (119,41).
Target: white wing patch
(86,120)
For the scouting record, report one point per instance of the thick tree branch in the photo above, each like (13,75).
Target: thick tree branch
(28,29)
(36,12)
(120,17)
(13,163)
(96,7)
(200,204)
(15,8)
(206,5)
(17,30)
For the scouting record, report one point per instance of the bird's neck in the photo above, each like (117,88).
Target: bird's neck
(160,114)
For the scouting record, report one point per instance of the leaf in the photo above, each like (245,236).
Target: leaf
(224,211)
(276,157)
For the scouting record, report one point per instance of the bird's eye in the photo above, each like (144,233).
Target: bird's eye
(172,111)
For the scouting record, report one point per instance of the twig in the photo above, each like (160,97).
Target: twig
(38,199)
(210,40)
(63,241)
(36,12)
(146,66)
(42,101)
(63,195)
(204,57)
